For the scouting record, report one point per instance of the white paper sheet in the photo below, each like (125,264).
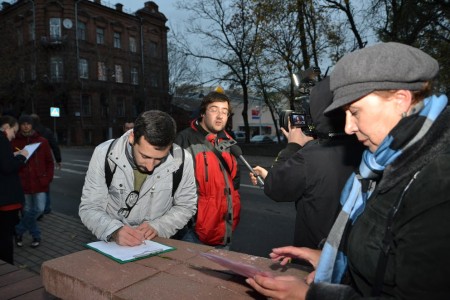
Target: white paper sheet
(31,148)
(125,253)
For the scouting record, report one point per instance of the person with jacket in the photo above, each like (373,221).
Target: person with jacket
(36,176)
(392,236)
(216,173)
(139,205)
(313,171)
(46,133)
(11,197)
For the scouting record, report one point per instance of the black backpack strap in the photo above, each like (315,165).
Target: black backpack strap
(387,242)
(178,174)
(108,172)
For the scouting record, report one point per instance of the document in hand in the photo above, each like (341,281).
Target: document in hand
(124,254)
(235,266)
(31,148)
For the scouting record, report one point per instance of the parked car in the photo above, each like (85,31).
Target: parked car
(282,138)
(239,136)
(262,139)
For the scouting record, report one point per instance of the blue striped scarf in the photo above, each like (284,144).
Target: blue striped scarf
(359,187)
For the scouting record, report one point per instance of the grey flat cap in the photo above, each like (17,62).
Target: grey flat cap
(384,66)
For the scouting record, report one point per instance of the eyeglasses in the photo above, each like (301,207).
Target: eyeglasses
(130,202)
(216,110)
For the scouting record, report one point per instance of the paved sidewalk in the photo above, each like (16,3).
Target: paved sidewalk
(62,234)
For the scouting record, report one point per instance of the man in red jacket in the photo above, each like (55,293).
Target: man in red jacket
(35,176)
(216,173)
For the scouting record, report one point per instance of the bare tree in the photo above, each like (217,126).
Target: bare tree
(183,70)
(423,24)
(229,32)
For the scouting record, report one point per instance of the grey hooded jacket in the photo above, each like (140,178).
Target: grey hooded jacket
(99,206)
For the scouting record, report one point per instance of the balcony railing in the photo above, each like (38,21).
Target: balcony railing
(50,41)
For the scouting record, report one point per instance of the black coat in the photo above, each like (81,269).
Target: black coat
(313,177)
(419,262)
(11,191)
(48,135)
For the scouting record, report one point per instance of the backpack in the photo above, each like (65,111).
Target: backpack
(176,176)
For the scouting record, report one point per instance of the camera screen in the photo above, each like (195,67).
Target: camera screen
(298,120)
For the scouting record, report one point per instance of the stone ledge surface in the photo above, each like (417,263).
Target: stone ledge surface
(182,274)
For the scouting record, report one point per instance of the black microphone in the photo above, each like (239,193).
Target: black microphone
(237,152)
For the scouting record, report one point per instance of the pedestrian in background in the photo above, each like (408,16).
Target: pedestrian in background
(46,133)
(11,197)
(391,240)
(36,176)
(216,173)
(129,124)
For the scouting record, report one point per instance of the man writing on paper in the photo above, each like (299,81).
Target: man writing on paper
(139,203)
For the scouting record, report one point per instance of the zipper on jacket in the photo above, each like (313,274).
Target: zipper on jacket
(206,166)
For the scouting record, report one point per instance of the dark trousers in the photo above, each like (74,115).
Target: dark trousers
(8,220)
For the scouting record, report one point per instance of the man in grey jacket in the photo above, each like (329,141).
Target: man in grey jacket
(138,204)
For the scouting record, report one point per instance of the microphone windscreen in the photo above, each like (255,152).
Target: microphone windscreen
(236,150)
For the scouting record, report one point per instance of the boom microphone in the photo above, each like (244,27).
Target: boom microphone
(237,152)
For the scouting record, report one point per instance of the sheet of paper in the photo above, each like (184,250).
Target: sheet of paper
(235,266)
(31,148)
(124,254)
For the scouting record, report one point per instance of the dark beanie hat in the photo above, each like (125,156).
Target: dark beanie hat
(25,119)
(319,99)
(384,66)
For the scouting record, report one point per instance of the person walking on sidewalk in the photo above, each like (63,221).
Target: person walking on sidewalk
(11,197)
(36,176)
(216,172)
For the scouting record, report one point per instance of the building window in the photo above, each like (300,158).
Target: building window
(31,31)
(81,31)
(86,105)
(153,80)
(83,68)
(19,37)
(55,29)
(33,71)
(56,69)
(101,71)
(118,73)
(22,75)
(134,76)
(117,43)
(133,45)
(153,49)
(100,36)
(120,106)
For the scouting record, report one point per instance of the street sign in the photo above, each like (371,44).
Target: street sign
(54,112)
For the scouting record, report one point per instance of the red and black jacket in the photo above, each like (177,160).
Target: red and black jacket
(219,204)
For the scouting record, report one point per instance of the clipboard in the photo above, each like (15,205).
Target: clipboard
(125,254)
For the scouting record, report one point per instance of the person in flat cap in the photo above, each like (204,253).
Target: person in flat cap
(392,237)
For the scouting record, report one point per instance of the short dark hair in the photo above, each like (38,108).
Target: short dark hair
(157,127)
(214,97)
(10,120)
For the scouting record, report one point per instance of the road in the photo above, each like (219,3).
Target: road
(264,223)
